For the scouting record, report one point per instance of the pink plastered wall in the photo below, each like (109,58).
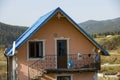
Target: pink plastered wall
(54,28)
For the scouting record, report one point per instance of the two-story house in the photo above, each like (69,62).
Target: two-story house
(55,47)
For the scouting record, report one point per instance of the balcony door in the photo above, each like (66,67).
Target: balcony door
(61,54)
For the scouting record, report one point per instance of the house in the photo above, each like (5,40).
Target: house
(55,47)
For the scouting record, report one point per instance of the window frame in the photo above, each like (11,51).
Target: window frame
(64,75)
(43,42)
(68,48)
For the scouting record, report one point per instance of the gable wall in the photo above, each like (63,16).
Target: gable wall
(54,28)
(61,27)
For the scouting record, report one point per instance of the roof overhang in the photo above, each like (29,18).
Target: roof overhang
(41,21)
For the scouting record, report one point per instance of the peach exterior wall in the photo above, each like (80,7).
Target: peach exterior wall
(63,28)
(75,76)
(84,76)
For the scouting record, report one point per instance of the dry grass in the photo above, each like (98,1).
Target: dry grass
(3,66)
(112,59)
(2,57)
(110,43)
(108,78)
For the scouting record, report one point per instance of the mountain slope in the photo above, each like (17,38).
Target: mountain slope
(92,26)
(9,33)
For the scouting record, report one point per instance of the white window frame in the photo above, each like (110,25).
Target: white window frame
(71,75)
(43,49)
(68,48)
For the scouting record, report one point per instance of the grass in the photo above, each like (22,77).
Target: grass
(3,73)
(112,59)
(3,70)
(108,78)
(2,57)
(110,70)
(110,43)
(3,66)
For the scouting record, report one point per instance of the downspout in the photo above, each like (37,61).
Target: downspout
(7,58)
(13,61)
(7,68)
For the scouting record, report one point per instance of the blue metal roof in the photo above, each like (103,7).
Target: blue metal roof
(40,22)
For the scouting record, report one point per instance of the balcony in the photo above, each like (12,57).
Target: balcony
(74,63)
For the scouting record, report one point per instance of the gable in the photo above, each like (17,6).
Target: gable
(43,20)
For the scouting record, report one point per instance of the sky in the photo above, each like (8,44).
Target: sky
(26,12)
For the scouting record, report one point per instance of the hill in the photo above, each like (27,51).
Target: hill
(93,27)
(9,33)
(111,43)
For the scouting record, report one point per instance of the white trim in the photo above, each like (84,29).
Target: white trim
(13,48)
(68,48)
(36,40)
(71,75)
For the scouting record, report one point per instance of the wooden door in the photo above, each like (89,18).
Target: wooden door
(61,53)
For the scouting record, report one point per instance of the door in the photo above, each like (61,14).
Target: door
(61,53)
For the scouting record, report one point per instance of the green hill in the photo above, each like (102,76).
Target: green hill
(9,33)
(95,27)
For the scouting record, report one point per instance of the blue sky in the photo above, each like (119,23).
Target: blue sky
(26,12)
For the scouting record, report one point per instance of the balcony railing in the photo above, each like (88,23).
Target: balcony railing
(75,63)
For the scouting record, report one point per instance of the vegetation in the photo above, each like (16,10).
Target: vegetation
(3,71)
(110,78)
(110,43)
(110,70)
(105,34)
(3,66)
(9,33)
(112,59)
(95,27)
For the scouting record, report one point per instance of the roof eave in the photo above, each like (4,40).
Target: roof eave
(86,34)
(9,51)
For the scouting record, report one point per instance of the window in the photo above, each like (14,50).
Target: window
(36,49)
(63,77)
(62,47)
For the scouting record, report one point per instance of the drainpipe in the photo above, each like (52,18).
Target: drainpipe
(7,68)
(7,58)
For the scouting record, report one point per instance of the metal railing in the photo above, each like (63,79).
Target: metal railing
(75,61)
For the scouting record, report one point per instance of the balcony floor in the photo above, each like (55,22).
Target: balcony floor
(70,70)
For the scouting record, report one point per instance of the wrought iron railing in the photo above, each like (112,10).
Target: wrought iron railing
(75,62)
